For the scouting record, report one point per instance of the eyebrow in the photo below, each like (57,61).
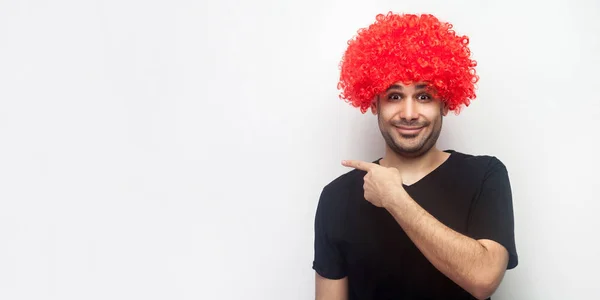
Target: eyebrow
(399,87)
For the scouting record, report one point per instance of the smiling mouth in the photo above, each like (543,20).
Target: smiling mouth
(409,130)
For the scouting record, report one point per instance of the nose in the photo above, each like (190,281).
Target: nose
(408,110)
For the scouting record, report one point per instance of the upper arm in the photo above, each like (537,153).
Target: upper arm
(331,282)
(491,217)
(328,260)
(330,289)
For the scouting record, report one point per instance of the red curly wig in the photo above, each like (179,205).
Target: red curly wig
(408,48)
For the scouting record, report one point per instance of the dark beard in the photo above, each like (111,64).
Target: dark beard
(421,149)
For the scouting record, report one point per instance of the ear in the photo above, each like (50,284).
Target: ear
(374,104)
(445,109)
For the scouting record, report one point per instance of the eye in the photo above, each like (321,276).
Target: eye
(424,97)
(394,97)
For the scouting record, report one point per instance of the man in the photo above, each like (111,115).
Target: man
(418,223)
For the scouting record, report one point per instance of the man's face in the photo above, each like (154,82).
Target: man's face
(410,118)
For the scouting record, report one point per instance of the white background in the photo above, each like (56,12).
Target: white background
(177,149)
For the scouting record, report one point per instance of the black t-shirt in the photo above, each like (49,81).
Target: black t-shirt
(469,194)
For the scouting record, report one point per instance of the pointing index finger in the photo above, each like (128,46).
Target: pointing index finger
(358,164)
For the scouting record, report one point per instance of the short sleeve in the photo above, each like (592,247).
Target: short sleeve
(491,216)
(328,260)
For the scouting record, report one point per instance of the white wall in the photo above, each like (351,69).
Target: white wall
(176,149)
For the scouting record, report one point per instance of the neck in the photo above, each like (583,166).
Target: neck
(412,169)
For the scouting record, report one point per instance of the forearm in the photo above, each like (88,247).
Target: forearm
(464,260)
(328,289)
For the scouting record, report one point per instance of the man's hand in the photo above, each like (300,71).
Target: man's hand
(382,185)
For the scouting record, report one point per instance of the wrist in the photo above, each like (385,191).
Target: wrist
(394,199)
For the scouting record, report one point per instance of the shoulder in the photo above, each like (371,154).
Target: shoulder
(482,162)
(342,184)
(341,190)
(477,169)
(347,181)
(336,198)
